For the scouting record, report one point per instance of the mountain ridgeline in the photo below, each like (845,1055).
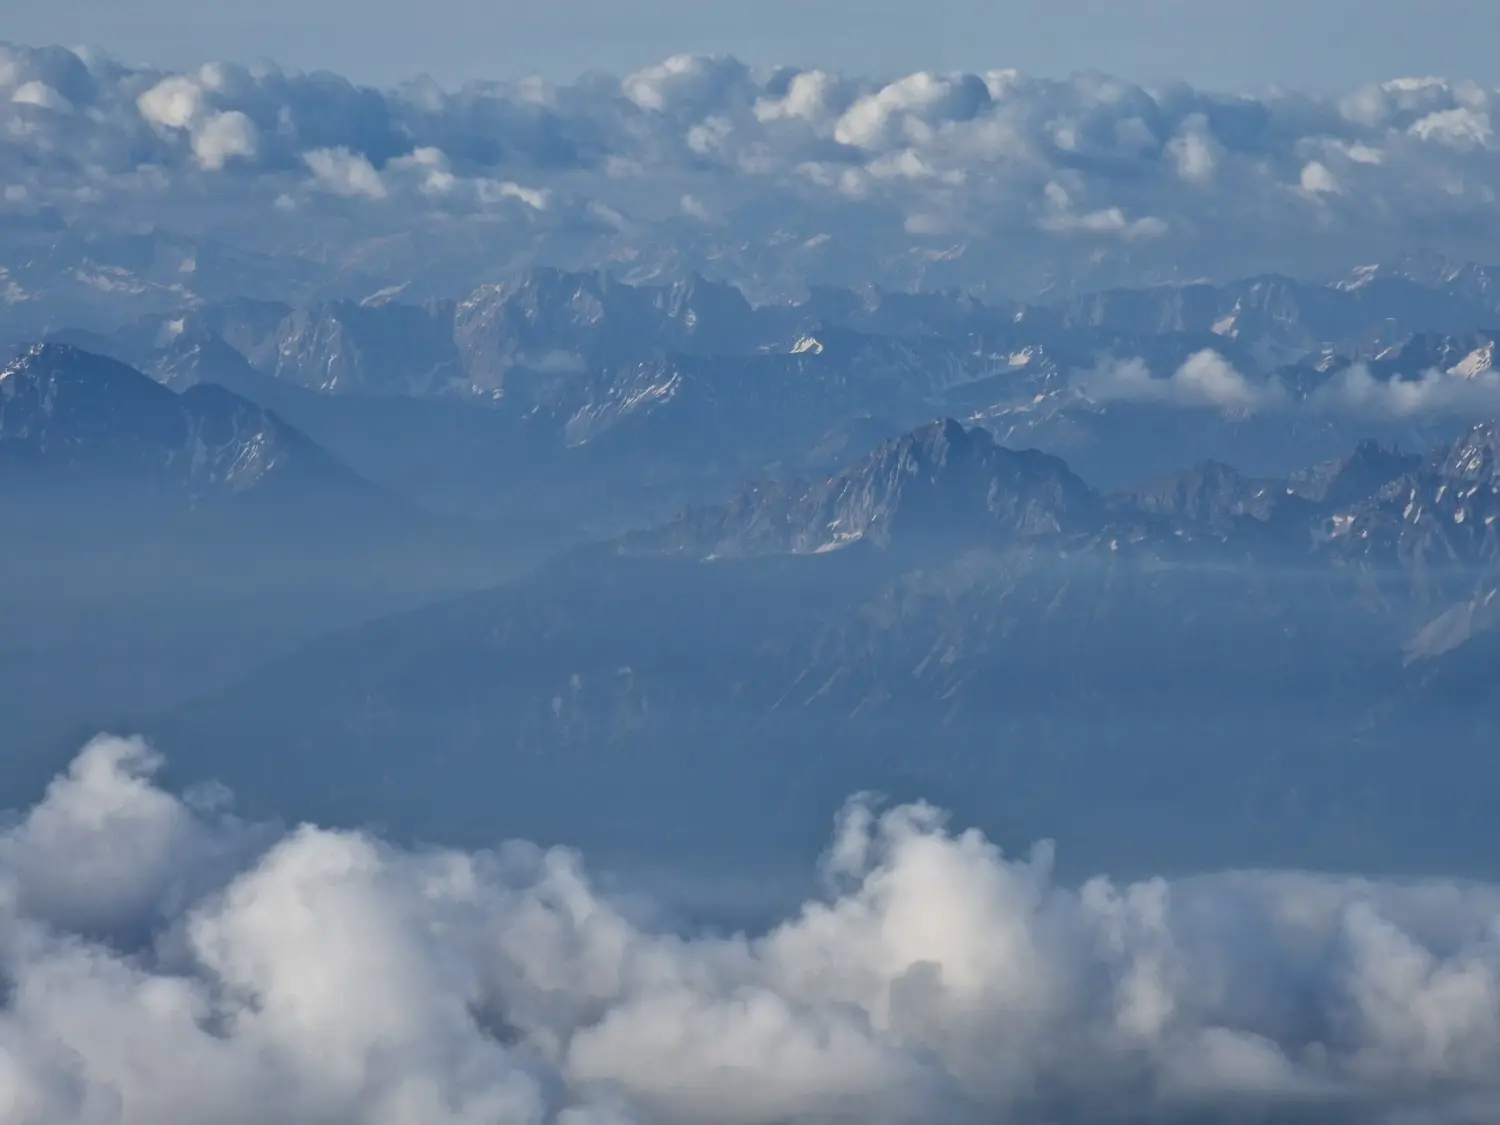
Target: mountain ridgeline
(160,544)
(939,482)
(1212,557)
(1245,659)
(88,426)
(552,394)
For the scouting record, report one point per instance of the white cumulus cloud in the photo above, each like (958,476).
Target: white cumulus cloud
(1206,379)
(224,137)
(41,95)
(320,975)
(172,103)
(346,173)
(1355,390)
(1316,179)
(1159,181)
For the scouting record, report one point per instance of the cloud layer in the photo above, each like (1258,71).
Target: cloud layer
(164,963)
(1160,180)
(1207,380)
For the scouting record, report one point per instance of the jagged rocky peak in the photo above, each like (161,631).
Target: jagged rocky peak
(947,467)
(695,297)
(71,417)
(1463,354)
(1444,513)
(941,476)
(1422,266)
(1474,457)
(940,485)
(59,363)
(200,357)
(1361,473)
(1206,492)
(61,404)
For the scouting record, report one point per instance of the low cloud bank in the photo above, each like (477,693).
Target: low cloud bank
(1208,380)
(324,976)
(1355,390)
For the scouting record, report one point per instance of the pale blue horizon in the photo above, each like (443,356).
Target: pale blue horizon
(1309,44)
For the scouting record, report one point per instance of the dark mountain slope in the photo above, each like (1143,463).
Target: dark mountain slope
(992,636)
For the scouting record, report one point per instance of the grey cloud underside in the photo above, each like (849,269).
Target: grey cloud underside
(166,963)
(995,181)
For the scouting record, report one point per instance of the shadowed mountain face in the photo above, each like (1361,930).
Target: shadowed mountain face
(71,420)
(946,618)
(161,544)
(940,480)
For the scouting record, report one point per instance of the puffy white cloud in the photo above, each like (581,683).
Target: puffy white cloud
(1460,128)
(1206,379)
(693,208)
(224,137)
(911,109)
(814,96)
(431,169)
(345,173)
(325,976)
(690,84)
(1189,181)
(172,103)
(1110,220)
(1195,151)
(41,95)
(105,847)
(1060,218)
(1355,390)
(1316,179)
(492,191)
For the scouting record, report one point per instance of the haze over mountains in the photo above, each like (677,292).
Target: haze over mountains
(159,543)
(69,419)
(659,465)
(952,619)
(788,545)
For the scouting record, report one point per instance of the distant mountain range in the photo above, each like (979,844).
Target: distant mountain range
(573,393)
(946,618)
(1028,610)
(547,320)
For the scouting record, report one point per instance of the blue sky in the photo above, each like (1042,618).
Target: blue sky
(1229,44)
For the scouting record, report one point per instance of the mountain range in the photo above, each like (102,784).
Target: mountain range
(1028,610)
(946,618)
(617,404)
